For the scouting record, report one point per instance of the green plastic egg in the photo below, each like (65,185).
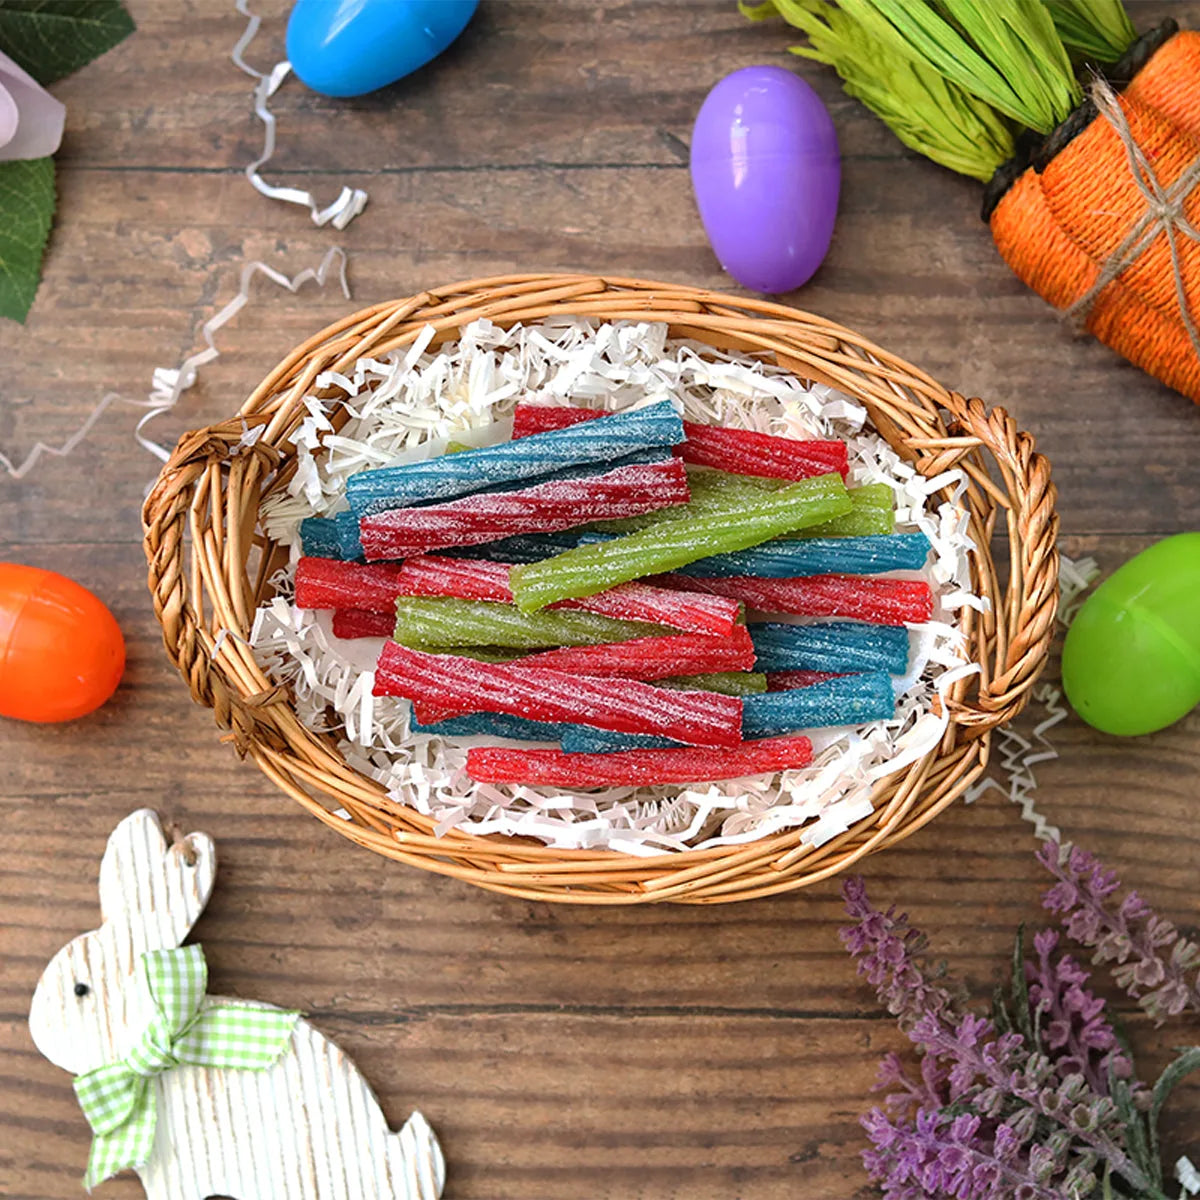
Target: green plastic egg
(1131,662)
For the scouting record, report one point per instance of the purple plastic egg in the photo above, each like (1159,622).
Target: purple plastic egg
(766,172)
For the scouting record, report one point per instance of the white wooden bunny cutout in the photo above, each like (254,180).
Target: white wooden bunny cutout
(304,1127)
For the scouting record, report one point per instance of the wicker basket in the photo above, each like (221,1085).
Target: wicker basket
(210,562)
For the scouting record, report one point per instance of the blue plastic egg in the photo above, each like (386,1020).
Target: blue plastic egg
(351,47)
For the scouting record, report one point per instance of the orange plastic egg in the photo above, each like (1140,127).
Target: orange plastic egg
(61,650)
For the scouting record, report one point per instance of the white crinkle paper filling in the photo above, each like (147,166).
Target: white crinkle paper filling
(409,404)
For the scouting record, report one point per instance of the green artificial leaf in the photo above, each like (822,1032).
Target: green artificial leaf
(1187,1062)
(1141,1150)
(1020,992)
(1000,1016)
(52,38)
(27,204)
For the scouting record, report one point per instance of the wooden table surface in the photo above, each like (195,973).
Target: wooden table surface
(560,1052)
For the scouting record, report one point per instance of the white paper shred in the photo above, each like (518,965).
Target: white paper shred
(169,383)
(1018,753)
(408,404)
(350,202)
(1187,1176)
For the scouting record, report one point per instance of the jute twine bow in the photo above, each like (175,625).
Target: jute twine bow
(1164,214)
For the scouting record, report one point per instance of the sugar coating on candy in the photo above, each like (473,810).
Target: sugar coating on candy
(731,683)
(877,601)
(786,559)
(442,621)
(331,537)
(845,700)
(331,583)
(652,657)
(782,681)
(526,547)
(537,418)
(838,646)
(456,578)
(738,450)
(682,608)
(710,490)
(546,507)
(695,612)
(636,768)
(583,739)
(457,686)
(732,525)
(404,404)
(872,513)
(362,623)
(745,452)
(501,725)
(483,654)
(449,477)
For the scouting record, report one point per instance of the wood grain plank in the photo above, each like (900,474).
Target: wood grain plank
(546,1106)
(653,1053)
(101,322)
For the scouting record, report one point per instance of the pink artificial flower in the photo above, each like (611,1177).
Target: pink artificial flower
(31,120)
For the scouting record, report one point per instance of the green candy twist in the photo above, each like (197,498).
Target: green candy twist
(735,522)
(728,683)
(428,622)
(873,511)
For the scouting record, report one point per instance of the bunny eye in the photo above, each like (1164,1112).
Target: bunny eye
(81,990)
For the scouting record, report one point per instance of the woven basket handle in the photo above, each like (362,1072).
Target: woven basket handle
(1022,625)
(170,516)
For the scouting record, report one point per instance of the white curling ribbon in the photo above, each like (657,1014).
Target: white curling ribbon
(1018,755)
(350,202)
(169,383)
(31,120)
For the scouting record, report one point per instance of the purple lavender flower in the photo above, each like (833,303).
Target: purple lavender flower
(905,1095)
(1001,1066)
(1153,962)
(939,1155)
(889,953)
(1069,1019)
(990,1115)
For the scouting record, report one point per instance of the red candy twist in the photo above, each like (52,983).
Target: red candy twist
(360,623)
(545,508)
(442,685)
(741,451)
(553,768)
(651,657)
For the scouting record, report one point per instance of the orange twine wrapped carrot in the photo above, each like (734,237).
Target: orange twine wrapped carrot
(1107,231)
(1092,197)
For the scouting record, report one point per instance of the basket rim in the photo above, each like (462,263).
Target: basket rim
(936,429)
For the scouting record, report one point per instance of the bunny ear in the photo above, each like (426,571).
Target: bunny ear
(158,890)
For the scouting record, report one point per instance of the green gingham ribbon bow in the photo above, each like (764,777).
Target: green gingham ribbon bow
(119,1099)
